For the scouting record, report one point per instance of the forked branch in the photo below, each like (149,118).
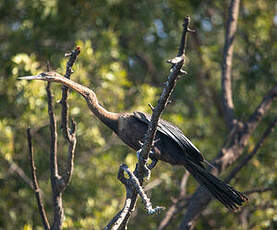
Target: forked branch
(58,182)
(133,186)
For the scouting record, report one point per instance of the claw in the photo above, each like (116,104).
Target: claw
(175,60)
(152,164)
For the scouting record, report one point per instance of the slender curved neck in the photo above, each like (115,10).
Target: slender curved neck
(108,118)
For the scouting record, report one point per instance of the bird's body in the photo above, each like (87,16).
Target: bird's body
(171,145)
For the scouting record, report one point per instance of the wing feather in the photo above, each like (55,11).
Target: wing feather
(177,135)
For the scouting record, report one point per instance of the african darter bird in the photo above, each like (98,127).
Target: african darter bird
(172,145)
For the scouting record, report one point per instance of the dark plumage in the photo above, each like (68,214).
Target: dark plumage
(166,129)
(171,144)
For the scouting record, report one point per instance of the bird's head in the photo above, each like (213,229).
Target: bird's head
(45,76)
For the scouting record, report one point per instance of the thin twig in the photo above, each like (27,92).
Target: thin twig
(35,183)
(226,78)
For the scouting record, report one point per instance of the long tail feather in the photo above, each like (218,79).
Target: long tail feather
(227,195)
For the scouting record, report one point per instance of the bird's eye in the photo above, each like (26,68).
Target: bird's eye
(42,75)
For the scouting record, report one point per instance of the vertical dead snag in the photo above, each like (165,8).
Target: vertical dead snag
(58,182)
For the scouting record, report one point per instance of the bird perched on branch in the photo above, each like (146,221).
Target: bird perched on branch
(171,144)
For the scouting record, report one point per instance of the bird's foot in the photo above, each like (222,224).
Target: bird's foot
(145,168)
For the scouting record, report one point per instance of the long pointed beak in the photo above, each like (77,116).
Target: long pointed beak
(35,77)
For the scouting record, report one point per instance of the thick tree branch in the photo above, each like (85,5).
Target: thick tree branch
(35,183)
(163,100)
(121,219)
(64,113)
(226,78)
(56,182)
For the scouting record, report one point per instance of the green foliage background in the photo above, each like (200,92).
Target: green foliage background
(124,46)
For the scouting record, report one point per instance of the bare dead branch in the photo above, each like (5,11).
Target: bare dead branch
(249,156)
(120,220)
(69,133)
(56,182)
(35,183)
(168,89)
(64,113)
(146,201)
(142,170)
(226,79)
